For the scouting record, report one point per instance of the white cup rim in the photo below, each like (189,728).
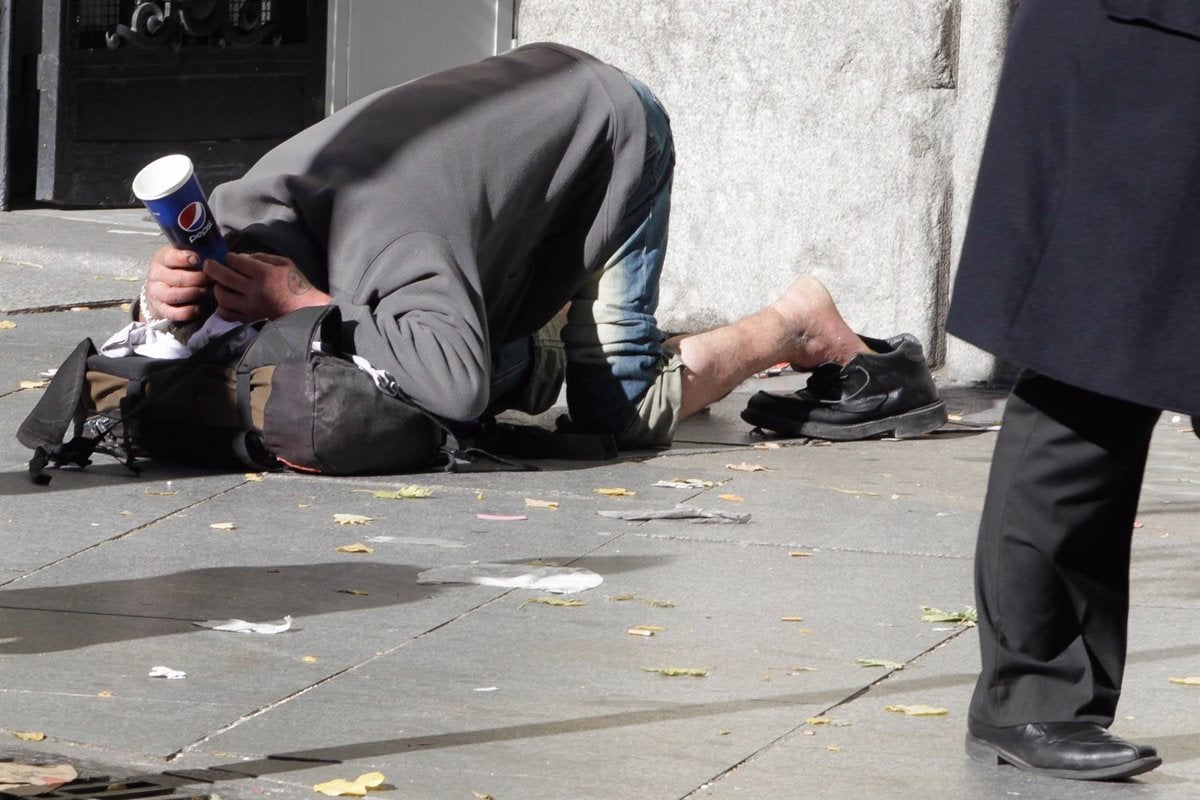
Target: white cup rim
(162,176)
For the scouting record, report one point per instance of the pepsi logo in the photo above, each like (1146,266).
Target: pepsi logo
(192,217)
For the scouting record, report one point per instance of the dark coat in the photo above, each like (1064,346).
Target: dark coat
(453,213)
(1082,254)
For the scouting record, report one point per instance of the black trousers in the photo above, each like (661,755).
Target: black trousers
(1052,562)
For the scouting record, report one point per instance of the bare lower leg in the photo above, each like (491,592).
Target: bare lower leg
(803,327)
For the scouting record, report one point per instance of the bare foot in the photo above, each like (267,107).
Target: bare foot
(817,332)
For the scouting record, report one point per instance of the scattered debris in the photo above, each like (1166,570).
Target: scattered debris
(223,526)
(352,519)
(852,491)
(879,662)
(33,779)
(615,492)
(555,580)
(645,630)
(695,515)
(685,483)
(242,626)
(768,446)
(732,498)
(254,477)
(355,592)
(967,617)
(7,324)
(554,601)
(819,721)
(309,659)
(1191,680)
(168,673)
(42,384)
(532,503)
(357,547)
(791,619)
(340,787)
(675,672)
(919,711)
(482,795)
(744,467)
(408,492)
(30,736)
(799,554)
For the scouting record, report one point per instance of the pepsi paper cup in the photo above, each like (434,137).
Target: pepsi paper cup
(169,189)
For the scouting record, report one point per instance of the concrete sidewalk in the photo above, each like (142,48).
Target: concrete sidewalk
(463,691)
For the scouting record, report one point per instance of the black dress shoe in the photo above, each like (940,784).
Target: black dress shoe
(1082,751)
(888,391)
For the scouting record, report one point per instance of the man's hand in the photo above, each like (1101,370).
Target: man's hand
(256,286)
(176,289)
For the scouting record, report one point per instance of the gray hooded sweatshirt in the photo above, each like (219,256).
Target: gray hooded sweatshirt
(453,213)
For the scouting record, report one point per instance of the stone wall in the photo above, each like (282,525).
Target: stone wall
(836,138)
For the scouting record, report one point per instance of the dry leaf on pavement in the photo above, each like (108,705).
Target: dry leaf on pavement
(616,492)
(30,736)
(675,672)
(532,503)
(223,526)
(919,711)
(351,519)
(340,787)
(1191,680)
(357,547)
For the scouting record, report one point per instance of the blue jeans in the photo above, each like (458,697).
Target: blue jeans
(615,356)
(620,379)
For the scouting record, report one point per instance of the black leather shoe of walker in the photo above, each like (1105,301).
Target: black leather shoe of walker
(1081,751)
(888,391)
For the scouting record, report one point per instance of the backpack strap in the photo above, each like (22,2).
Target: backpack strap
(61,408)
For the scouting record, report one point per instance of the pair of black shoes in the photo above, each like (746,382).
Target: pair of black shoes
(1076,750)
(888,391)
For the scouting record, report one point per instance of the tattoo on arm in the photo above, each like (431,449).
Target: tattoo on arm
(297,284)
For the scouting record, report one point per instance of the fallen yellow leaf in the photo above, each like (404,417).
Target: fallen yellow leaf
(482,795)
(340,787)
(818,721)
(618,492)
(1191,680)
(256,477)
(674,672)
(532,503)
(126,307)
(309,659)
(357,547)
(30,736)
(34,384)
(7,324)
(408,492)
(833,748)
(351,519)
(223,526)
(919,711)
(105,694)
(732,498)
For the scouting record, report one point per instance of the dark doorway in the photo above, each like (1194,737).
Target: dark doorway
(122,82)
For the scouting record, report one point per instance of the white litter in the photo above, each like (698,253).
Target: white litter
(167,672)
(242,626)
(555,580)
